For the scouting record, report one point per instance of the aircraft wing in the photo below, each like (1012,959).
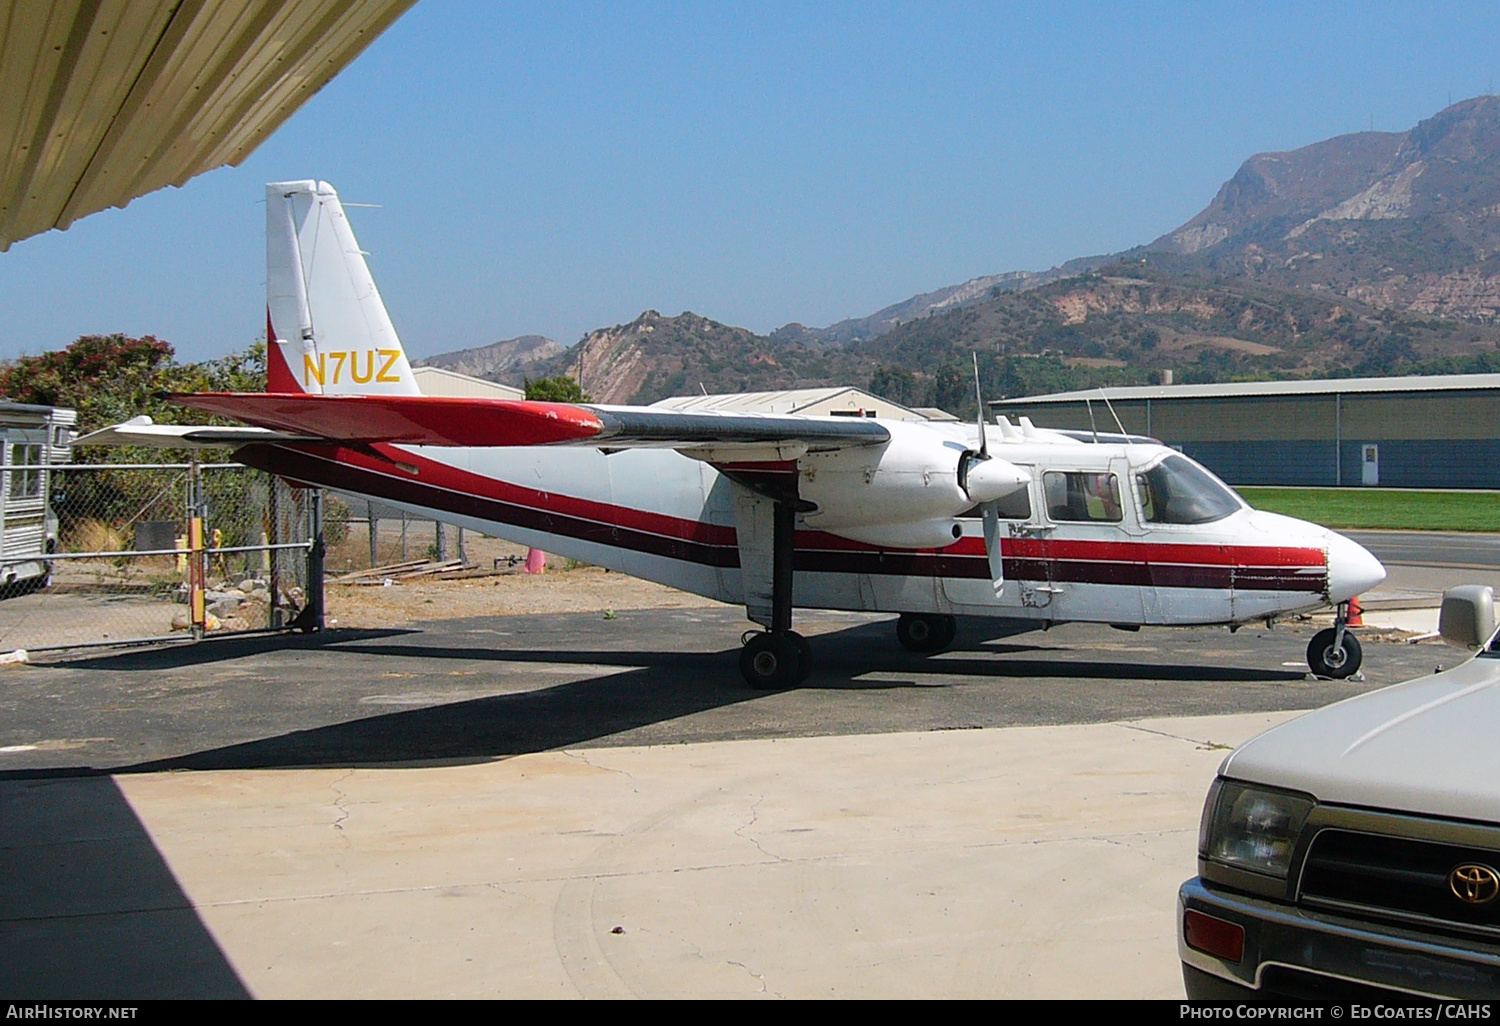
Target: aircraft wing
(466,421)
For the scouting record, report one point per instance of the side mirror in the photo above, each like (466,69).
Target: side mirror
(1467,619)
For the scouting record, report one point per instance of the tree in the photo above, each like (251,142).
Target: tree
(111,378)
(561,389)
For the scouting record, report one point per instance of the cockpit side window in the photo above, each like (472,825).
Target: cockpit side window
(1178,491)
(1082,496)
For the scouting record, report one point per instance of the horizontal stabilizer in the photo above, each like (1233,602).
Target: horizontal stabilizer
(468,421)
(406,419)
(143,432)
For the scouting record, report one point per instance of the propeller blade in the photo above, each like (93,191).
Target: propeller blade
(991,513)
(984,442)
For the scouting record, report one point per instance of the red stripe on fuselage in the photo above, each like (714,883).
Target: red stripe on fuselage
(439,486)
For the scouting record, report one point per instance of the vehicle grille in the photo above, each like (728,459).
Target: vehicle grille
(1396,875)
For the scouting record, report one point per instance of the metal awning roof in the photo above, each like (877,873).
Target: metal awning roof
(1267,389)
(102,101)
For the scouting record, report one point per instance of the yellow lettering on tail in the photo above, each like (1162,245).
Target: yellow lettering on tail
(386,374)
(369,367)
(313,371)
(338,364)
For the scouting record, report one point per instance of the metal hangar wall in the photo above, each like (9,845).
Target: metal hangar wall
(1413,432)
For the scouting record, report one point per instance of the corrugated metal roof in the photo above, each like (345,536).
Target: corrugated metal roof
(791,400)
(102,101)
(1242,389)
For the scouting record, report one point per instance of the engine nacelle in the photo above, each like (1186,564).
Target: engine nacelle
(912,482)
(924,534)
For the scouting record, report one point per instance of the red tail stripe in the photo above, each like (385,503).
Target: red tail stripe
(279,377)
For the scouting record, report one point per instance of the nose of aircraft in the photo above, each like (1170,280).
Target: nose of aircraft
(1352,570)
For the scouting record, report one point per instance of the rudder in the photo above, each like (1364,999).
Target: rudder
(327,329)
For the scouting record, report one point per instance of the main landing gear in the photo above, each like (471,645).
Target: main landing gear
(1334,652)
(926,632)
(779,657)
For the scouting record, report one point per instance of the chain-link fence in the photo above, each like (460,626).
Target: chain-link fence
(150,552)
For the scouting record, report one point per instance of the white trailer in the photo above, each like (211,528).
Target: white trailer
(33,440)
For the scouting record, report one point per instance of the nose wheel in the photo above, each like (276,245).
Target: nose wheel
(1333,651)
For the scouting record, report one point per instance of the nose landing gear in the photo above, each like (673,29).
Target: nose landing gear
(1334,652)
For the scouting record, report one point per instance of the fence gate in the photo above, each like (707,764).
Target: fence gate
(154,552)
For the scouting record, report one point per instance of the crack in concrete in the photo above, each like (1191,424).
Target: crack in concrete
(583,758)
(1201,742)
(755,818)
(338,803)
(758,977)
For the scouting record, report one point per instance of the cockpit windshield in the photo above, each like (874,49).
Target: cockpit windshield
(1178,491)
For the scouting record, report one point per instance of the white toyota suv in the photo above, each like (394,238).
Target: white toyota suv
(1355,852)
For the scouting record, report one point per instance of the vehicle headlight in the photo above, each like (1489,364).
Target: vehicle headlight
(1252,828)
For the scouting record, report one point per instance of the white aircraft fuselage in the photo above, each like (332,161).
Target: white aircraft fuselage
(662,516)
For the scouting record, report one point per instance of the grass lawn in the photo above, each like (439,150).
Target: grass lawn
(1377,508)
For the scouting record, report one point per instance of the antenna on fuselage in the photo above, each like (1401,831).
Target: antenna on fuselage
(1105,396)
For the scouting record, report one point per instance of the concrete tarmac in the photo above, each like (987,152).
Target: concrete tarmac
(569,806)
(1024,862)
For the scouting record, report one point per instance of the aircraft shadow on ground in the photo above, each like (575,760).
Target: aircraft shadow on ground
(218,649)
(656,687)
(90,908)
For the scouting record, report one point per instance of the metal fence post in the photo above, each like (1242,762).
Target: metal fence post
(273,515)
(197,555)
(311,619)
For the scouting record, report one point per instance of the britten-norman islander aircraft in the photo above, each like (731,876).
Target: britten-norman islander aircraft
(927,520)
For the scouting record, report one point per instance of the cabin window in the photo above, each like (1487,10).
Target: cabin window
(25,473)
(1178,491)
(1082,496)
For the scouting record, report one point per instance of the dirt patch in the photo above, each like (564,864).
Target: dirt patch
(578,590)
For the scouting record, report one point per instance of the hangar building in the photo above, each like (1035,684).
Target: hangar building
(1414,432)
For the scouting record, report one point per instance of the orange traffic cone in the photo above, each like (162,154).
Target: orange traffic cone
(1356,614)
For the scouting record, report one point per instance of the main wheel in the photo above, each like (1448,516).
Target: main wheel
(1325,661)
(926,632)
(772,660)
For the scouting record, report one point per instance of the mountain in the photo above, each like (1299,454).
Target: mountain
(510,361)
(929,303)
(1402,220)
(653,357)
(1372,253)
(1128,319)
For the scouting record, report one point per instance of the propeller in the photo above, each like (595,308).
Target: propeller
(980,474)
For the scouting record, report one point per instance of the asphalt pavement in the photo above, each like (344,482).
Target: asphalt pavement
(576,806)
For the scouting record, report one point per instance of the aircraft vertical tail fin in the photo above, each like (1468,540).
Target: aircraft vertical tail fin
(327,329)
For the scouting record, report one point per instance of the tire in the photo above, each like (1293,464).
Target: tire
(771,661)
(804,656)
(1324,662)
(926,632)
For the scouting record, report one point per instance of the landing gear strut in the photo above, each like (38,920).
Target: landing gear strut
(779,657)
(926,632)
(1334,652)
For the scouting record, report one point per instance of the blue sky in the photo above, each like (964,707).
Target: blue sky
(556,167)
